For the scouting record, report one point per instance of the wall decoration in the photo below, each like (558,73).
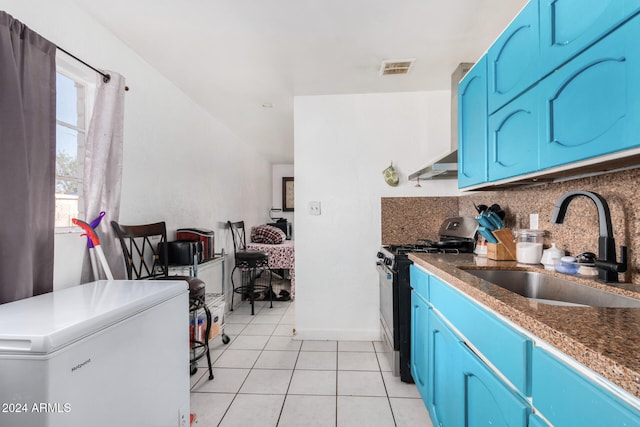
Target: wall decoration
(287,194)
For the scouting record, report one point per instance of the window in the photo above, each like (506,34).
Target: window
(74,93)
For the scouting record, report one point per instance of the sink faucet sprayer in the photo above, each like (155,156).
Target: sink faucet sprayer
(607,264)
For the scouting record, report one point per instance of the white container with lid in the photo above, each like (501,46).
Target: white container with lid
(551,256)
(529,246)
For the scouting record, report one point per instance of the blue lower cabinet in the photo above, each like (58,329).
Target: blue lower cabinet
(512,383)
(420,343)
(446,383)
(513,138)
(487,400)
(590,106)
(463,391)
(536,421)
(566,398)
(512,357)
(419,281)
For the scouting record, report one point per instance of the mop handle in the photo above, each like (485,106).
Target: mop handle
(94,224)
(91,234)
(95,242)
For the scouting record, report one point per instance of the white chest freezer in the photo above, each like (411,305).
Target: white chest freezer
(107,353)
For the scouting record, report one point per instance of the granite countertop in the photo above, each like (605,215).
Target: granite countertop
(606,340)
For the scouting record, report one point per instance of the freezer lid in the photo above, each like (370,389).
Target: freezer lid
(48,322)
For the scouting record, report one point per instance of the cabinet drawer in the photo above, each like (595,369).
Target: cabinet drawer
(567,398)
(508,350)
(513,60)
(591,105)
(569,26)
(419,281)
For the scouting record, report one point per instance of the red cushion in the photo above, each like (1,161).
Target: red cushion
(267,234)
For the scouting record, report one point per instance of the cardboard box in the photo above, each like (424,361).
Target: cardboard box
(217,314)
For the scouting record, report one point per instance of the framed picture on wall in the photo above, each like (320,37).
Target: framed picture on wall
(287,194)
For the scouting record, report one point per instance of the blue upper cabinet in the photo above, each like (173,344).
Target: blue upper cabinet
(472,126)
(513,138)
(569,26)
(591,105)
(562,86)
(513,60)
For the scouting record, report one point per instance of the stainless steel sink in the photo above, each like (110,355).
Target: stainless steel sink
(549,289)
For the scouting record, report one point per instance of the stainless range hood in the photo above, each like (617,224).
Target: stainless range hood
(446,167)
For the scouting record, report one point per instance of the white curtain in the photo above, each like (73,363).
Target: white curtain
(103,170)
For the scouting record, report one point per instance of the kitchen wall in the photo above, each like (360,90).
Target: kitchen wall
(578,233)
(181,165)
(342,145)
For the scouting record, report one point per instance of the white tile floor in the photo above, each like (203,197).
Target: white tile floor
(264,377)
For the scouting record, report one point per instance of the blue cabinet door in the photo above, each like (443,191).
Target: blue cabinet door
(446,399)
(487,400)
(569,26)
(420,344)
(513,138)
(591,105)
(513,60)
(472,126)
(512,356)
(567,398)
(536,421)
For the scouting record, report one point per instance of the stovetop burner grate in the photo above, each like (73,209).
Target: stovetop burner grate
(434,247)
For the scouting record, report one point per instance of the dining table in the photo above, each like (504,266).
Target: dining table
(281,256)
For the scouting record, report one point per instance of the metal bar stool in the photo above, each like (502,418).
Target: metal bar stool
(253,265)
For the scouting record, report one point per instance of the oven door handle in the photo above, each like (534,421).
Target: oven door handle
(384,269)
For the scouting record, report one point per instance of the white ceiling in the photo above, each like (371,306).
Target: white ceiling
(232,56)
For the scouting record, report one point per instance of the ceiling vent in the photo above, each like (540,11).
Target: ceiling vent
(396,66)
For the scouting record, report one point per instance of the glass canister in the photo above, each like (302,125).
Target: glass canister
(529,246)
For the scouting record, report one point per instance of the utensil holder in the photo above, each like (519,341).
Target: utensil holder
(499,252)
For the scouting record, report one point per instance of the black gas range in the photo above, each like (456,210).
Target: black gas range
(457,235)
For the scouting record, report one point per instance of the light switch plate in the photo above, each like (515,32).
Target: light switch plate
(314,208)
(533,221)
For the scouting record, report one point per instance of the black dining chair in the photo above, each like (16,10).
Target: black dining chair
(253,266)
(146,258)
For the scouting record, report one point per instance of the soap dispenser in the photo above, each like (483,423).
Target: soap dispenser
(551,256)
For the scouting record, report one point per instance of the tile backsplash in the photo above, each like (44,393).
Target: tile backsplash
(406,217)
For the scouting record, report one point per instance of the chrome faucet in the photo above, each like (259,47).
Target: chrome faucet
(607,264)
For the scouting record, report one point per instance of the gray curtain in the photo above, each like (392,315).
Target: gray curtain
(103,170)
(27,160)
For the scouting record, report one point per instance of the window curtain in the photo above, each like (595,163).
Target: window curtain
(27,162)
(103,171)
